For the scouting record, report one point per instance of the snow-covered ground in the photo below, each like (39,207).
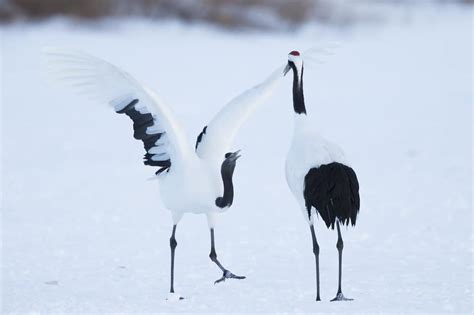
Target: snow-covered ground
(84,231)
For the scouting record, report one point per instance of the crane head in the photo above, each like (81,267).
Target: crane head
(228,165)
(294,61)
(295,58)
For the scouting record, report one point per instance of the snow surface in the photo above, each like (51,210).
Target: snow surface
(84,231)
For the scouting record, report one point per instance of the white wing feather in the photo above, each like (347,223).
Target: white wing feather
(101,80)
(222,129)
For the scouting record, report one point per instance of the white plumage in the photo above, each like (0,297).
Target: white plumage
(189,181)
(308,150)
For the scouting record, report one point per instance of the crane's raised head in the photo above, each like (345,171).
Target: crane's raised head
(294,61)
(294,56)
(228,165)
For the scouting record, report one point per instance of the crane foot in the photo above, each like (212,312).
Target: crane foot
(228,275)
(341,297)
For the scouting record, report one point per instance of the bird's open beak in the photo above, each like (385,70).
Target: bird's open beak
(287,68)
(235,155)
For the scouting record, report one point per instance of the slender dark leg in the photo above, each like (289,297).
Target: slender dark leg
(213,255)
(316,257)
(340,246)
(173,245)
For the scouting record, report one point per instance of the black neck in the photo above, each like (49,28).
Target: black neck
(228,197)
(298,97)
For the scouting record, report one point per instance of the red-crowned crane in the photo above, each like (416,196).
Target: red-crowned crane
(191,179)
(319,176)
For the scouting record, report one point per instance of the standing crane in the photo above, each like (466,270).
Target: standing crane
(319,176)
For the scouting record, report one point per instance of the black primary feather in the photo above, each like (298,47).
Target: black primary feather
(141,122)
(333,189)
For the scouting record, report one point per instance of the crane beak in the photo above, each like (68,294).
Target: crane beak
(233,156)
(287,68)
(236,155)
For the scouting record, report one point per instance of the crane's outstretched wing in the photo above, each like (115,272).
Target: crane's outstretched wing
(217,137)
(153,122)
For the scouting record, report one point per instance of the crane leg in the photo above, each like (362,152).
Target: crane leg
(340,246)
(173,245)
(213,255)
(316,257)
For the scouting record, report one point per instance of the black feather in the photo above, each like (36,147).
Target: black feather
(333,189)
(141,122)
(199,138)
